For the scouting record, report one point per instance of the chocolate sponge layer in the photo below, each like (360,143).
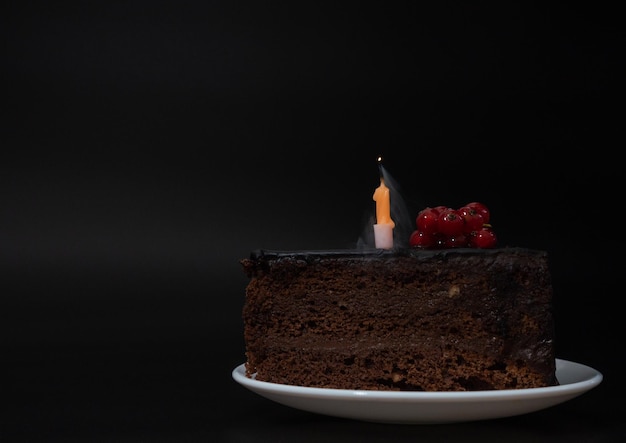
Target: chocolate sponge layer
(445,320)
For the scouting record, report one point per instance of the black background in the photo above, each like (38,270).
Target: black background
(149,146)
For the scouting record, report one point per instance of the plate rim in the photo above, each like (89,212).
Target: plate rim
(593,379)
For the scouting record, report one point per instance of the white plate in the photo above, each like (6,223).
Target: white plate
(411,407)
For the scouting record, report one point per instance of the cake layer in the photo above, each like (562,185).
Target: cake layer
(455,319)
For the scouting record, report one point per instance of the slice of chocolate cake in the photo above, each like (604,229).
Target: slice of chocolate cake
(426,320)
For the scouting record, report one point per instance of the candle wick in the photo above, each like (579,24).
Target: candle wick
(380,167)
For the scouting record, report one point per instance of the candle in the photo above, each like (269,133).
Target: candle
(383,229)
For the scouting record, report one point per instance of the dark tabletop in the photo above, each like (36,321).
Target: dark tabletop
(98,361)
(152,145)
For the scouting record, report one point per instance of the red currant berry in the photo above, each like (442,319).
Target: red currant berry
(440,241)
(420,239)
(484,239)
(450,223)
(456,241)
(481,209)
(473,219)
(427,220)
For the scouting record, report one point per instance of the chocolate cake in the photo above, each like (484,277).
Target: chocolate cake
(461,319)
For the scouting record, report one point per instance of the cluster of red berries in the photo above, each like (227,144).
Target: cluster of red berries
(444,227)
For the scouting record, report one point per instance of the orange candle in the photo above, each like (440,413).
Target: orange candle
(383,206)
(383,229)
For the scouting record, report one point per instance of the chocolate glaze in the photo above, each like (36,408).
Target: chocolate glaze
(312,255)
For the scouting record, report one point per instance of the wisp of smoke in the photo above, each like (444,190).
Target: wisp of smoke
(404,223)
